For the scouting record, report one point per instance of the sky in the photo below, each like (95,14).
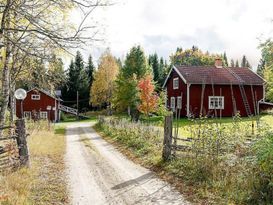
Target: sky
(232,26)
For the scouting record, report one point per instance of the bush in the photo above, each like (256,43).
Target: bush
(263,186)
(225,162)
(140,138)
(63,117)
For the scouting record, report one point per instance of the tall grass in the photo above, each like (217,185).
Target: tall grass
(226,163)
(44,181)
(144,140)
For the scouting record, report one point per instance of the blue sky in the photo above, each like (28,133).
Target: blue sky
(234,26)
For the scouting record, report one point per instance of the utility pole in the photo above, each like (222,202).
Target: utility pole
(77,105)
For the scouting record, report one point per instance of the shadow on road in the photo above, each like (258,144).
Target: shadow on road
(134,181)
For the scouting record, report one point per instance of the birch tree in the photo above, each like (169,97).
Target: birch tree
(35,28)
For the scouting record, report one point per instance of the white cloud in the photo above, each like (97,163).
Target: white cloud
(162,25)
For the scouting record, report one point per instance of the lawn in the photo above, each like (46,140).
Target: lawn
(185,124)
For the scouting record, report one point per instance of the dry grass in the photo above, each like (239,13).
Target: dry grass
(234,178)
(44,182)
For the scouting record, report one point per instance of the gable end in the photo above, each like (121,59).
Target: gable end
(169,74)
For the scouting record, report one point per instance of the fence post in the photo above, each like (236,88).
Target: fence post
(22,142)
(166,154)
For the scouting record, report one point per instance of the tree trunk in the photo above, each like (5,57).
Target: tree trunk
(129,111)
(22,142)
(5,93)
(5,23)
(12,103)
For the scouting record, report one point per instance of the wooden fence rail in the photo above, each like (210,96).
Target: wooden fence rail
(167,143)
(14,149)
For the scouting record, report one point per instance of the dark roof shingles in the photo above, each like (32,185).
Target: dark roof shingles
(213,75)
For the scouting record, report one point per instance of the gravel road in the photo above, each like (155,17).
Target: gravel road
(99,174)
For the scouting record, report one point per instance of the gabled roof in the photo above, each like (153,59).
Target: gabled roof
(215,75)
(46,93)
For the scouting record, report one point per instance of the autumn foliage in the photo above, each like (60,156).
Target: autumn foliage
(147,95)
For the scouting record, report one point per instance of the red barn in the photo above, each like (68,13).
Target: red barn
(39,104)
(214,90)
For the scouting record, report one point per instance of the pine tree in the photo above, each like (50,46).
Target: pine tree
(261,68)
(77,80)
(244,61)
(153,62)
(119,62)
(135,63)
(232,64)
(126,93)
(237,64)
(225,60)
(90,68)
(248,64)
(163,67)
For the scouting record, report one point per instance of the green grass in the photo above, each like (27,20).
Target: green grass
(202,179)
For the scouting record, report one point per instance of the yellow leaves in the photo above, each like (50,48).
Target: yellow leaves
(103,85)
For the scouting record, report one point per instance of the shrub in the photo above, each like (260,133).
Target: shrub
(140,138)
(263,186)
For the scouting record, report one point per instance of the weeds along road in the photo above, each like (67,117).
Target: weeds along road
(99,174)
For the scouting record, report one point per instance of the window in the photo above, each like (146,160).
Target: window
(216,102)
(35,97)
(175,83)
(179,102)
(43,115)
(172,103)
(27,115)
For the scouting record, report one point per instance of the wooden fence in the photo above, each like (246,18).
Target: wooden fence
(170,145)
(13,148)
(207,139)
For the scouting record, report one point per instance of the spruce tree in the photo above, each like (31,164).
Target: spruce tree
(135,63)
(261,68)
(126,93)
(163,67)
(232,64)
(237,64)
(77,80)
(225,60)
(244,61)
(153,62)
(90,68)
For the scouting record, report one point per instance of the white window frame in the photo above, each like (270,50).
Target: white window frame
(172,103)
(44,115)
(179,102)
(216,102)
(35,97)
(176,83)
(27,115)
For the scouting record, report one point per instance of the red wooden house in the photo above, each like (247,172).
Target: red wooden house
(214,90)
(39,104)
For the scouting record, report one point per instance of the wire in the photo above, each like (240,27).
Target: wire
(87,99)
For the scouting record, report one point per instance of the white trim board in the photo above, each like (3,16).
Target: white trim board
(168,76)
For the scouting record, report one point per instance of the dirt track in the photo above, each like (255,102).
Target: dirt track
(99,174)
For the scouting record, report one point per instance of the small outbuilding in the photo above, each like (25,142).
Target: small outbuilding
(214,90)
(39,104)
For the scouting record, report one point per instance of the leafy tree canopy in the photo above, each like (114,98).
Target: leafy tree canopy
(192,57)
(103,85)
